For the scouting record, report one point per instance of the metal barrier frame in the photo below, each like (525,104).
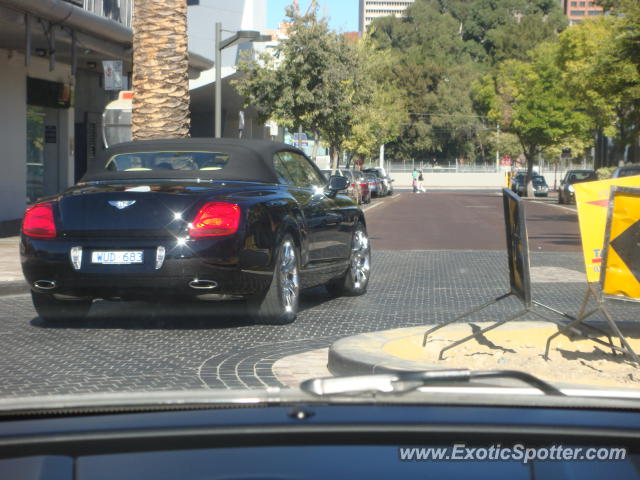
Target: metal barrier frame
(519,251)
(597,292)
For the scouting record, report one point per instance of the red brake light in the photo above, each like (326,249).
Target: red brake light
(216,218)
(38,221)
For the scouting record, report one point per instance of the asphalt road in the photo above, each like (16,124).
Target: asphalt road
(456,261)
(467,220)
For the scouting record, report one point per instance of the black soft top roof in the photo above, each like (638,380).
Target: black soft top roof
(249,160)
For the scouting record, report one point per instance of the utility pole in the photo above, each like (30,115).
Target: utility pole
(218,90)
(498,147)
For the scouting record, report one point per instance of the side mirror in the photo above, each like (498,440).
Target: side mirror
(337,183)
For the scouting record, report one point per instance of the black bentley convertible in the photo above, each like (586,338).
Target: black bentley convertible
(200,218)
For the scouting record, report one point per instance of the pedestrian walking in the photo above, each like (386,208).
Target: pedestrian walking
(414,177)
(420,180)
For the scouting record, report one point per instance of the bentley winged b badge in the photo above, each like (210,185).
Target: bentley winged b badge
(121,204)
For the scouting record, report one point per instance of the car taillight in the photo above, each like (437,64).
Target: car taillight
(216,218)
(38,221)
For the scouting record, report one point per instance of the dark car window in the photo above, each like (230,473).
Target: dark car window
(629,172)
(281,170)
(374,171)
(539,181)
(581,176)
(145,161)
(300,171)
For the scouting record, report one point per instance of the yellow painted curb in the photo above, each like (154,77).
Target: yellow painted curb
(518,346)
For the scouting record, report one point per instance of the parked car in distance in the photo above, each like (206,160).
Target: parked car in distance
(626,171)
(375,184)
(566,192)
(540,187)
(516,181)
(199,219)
(353,190)
(519,185)
(387,181)
(361,180)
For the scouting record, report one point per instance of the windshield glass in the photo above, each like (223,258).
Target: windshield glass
(212,253)
(539,181)
(167,161)
(581,176)
(629,171)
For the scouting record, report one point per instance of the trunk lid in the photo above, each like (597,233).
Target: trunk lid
(161,209)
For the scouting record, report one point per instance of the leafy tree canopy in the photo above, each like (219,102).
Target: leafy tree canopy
(529,100)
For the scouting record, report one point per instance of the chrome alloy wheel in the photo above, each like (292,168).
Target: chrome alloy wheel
(360,259)
(289,286)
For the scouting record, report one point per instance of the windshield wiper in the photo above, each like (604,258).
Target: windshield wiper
(408,381)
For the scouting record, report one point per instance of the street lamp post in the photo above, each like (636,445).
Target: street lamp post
(238,37)
(498,147)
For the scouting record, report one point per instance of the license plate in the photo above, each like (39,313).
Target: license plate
(117,258)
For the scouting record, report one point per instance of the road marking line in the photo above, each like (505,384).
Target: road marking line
(366,209)
(573,210)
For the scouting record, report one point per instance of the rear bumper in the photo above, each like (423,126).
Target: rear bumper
(233,269)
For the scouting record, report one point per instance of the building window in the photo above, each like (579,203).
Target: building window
(593,13)
(577,13)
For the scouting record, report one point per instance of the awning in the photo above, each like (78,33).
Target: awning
(96,37)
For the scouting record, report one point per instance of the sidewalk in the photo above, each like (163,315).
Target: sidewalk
(11,279)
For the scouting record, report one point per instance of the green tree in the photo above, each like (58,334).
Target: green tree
(598,74)
(435,71)
(630,38)
(379,117)
(312,81)
(441,47)
(499,30)
(528,99)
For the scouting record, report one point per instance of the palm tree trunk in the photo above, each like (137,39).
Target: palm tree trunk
(160,70)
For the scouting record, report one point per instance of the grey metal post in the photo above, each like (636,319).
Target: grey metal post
(218,96)
(27,40)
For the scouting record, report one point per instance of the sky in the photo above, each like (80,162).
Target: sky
(343,14)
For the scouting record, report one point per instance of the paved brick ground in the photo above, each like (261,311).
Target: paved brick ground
(136,346)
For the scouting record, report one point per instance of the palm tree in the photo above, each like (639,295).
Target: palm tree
(160,70)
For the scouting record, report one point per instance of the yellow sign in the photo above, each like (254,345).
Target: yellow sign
(507,179)
(592,199)
(622,269)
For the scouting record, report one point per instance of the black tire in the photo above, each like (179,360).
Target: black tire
(355,280)
(560,197)
(51,309)
(279,305)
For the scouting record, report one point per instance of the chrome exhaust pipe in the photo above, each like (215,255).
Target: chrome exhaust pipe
(203,284)
(44,284)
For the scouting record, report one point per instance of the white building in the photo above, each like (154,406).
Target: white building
(372,9)
(234,16)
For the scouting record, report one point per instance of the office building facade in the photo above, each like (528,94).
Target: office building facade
(372,9)
(578,10)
